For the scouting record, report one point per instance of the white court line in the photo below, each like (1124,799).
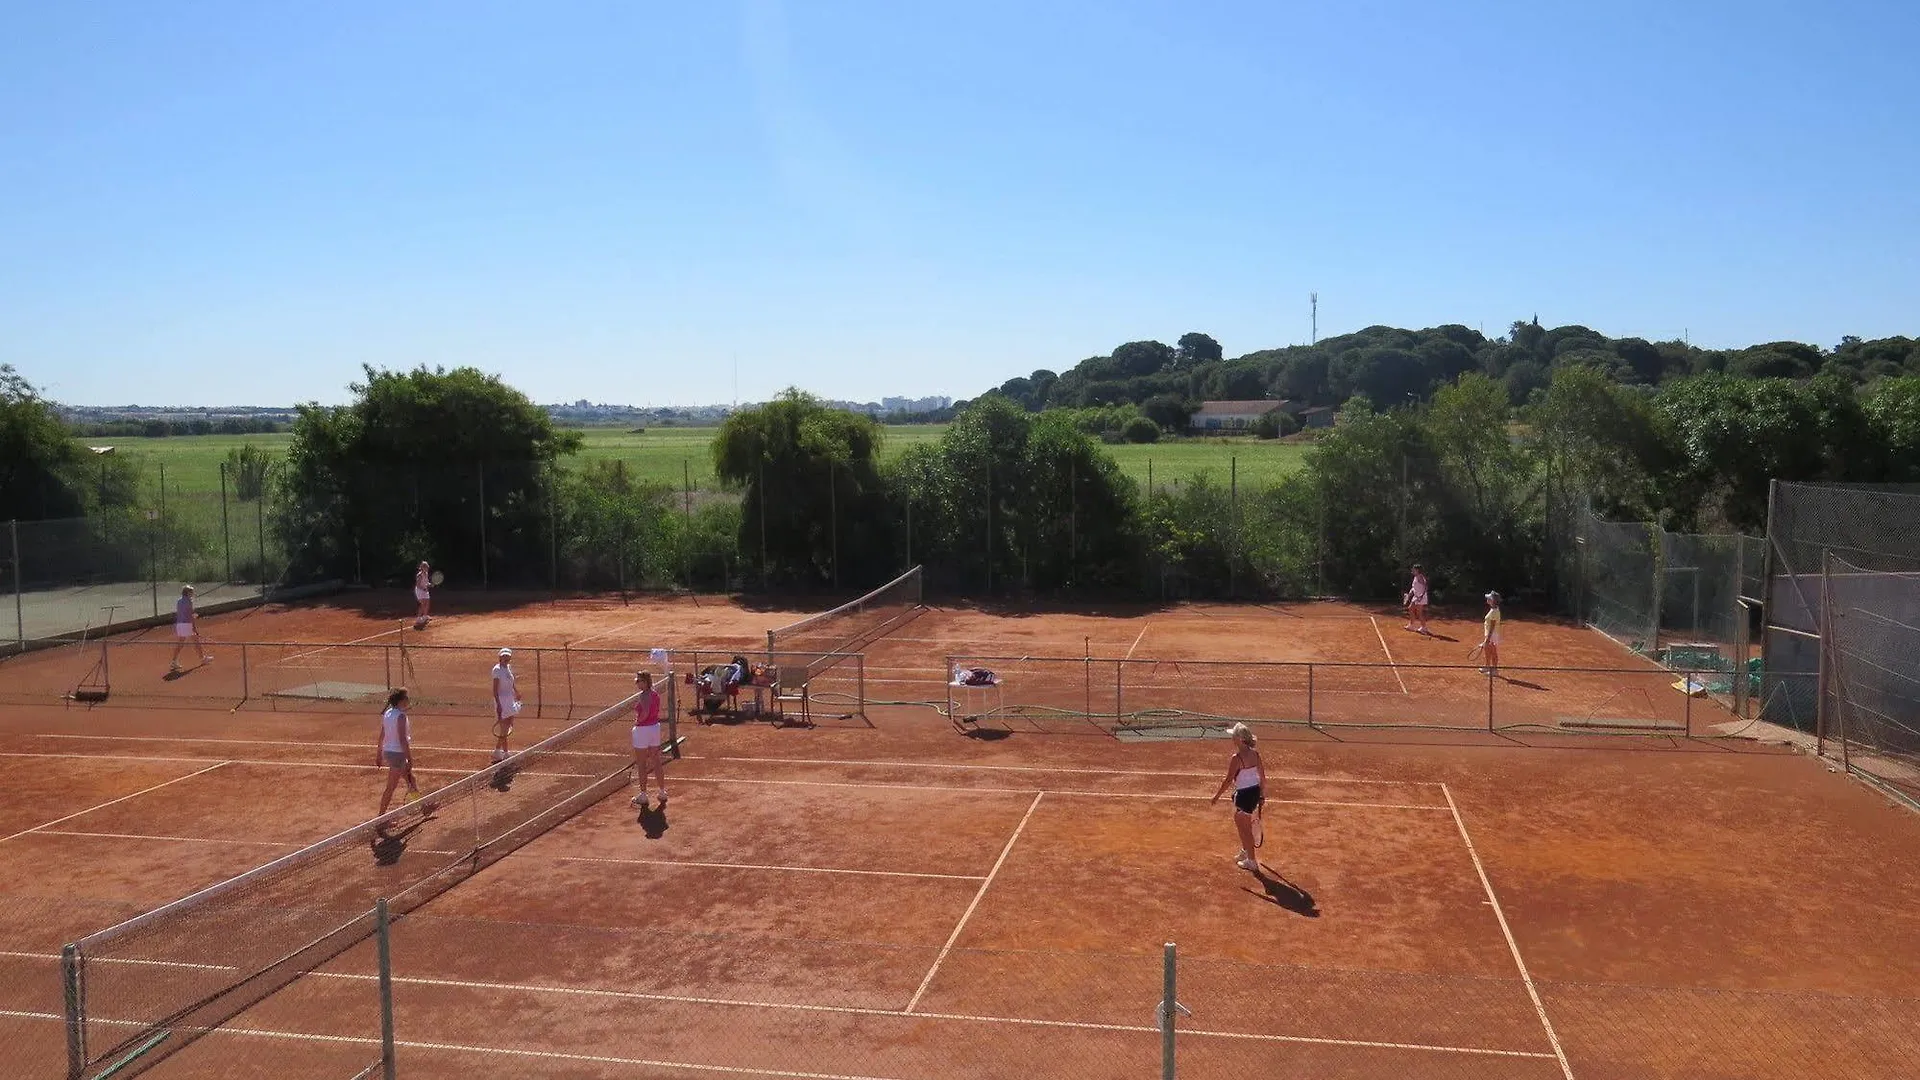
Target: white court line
(270,762)
(319,648)
(110,802)
(1513,946)
(854,1010)
(174,839)
(1041,768)
(498,1051)
(1391,662)
(1137,640)
(1033,791)
(285,742)
(617,629)
(977,897)
(760,866)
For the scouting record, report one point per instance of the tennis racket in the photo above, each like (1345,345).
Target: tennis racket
(436,578)
(1260,825)
(1476,650)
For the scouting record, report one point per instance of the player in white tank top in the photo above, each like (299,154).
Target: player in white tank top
(1246,775)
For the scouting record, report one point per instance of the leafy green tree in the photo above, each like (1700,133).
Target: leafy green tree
(247,471)
(1892,410)
(450,466)
(1592,436)
(40,463)
(1738,434)
(1140,429)
(1143,358)
(811,478)
(1170,411)
(1194,349)
(1008,498)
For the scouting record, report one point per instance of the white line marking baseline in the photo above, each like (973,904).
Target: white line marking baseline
(761,866)
(1039,768)
(977,897)
(1513,946)
(110,802)
(1391,662)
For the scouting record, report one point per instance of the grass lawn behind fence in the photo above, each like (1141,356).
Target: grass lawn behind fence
(670,456)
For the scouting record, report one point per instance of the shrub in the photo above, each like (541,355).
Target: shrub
(1140,430)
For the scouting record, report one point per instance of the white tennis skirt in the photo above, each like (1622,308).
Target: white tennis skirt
(646,736)
(420,594)
(183,630)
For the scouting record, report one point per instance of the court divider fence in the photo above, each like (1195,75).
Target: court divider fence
(556,684)
(1146,698)
(427,994)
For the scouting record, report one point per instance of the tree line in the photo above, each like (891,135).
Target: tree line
(459,468)
(1389,366)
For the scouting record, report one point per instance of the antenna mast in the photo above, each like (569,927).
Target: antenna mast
(1313,302)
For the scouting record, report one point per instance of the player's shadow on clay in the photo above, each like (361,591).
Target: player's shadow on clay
(1280,892)
(653,822)
(1522,683)
(1437,636)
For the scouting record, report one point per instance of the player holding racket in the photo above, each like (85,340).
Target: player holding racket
(647,757)
(506,703)
(396,749)
(1490,636)
(1416,602)
(1244,775)
(422,595)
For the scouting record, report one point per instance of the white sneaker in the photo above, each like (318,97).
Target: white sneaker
(1246,864)
(639,801)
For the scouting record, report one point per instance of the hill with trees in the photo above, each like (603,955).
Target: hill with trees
(1390,366)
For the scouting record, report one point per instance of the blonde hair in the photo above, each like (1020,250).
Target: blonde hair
(1243,735)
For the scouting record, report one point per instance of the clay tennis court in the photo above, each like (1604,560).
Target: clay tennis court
(1574,889)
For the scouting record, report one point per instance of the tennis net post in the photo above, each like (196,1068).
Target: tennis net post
(383,939)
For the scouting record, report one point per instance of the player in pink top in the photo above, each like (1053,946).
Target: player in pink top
(647,757)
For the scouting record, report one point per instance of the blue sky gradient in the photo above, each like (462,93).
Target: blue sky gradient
(225,202)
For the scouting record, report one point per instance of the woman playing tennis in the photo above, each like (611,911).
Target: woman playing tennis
(647,757)
(422,595)
(1416,600)
(1244,775)
(396,749)
(506,703)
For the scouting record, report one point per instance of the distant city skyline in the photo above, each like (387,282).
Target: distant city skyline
(245,202)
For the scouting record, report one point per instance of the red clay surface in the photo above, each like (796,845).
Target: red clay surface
(892,898)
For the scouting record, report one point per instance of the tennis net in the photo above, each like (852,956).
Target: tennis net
(142,990)
(838,633)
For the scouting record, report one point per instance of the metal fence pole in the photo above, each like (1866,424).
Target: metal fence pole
(386,988)
(19,612)
(1310,694)
(539,686)
(161,521)
(153,558)
(1822,673)
(226,534)
(480,471)
(246,677)
(1169,1004)
(1659,540)
(1686,683)
(1119,692)
(949,681)
(833,518)
(1490,680)
(860,673)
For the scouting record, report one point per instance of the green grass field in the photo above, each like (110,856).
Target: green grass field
(675,455)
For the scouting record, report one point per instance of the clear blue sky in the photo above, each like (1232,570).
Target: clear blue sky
(238,202)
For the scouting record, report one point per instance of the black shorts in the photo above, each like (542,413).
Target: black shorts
(1248,799)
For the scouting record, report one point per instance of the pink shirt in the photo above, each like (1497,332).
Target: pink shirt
(646,711)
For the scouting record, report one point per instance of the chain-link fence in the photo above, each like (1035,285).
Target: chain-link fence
(1839,639)
(1140,699)
(1685,600)
(623,991)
